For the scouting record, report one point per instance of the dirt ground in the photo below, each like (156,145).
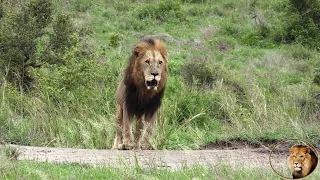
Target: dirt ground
(238,154)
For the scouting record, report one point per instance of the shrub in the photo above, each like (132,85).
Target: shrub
(195,1)
(302,22)
(32,36)
(201,73)
(161,11)
(316,79)
(199,102)
(77,75)
(20,28)
(300,52)
(115,39)
(82,5)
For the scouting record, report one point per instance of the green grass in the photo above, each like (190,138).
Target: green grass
(44,170)
(34,170)
(246,87)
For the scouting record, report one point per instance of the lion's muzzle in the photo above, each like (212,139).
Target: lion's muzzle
(152,84)
(297,167)
(152,81)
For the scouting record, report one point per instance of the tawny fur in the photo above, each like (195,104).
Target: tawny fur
(139,94)
(302,161)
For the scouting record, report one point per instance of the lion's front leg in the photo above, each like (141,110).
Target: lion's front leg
(139,129)
(127,127)
(117,143)
(146,132)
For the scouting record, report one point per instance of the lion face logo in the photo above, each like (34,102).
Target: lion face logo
(302,161)
(298,158)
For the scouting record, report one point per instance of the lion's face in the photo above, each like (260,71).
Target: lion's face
(299,160)
(152,64)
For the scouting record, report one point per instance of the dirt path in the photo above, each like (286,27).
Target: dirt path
(159,158)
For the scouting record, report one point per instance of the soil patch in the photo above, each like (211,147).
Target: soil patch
(264,146)
(172,159)
(230,145)
(236,153)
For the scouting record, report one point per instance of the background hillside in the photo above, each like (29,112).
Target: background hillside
(244,70)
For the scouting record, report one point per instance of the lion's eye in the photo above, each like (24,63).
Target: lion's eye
(147,61)
(160,62)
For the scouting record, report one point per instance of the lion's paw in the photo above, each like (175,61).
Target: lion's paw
(117,147)
(145,146)
(127,145)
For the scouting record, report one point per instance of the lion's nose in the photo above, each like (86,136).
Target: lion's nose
(155,74)
(296,163)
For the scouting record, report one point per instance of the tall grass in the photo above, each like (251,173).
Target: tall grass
(237,86)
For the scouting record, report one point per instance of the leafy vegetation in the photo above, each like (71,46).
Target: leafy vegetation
(238,70)
(304,23)
(161,11)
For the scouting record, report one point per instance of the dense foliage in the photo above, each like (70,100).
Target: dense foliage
(303,23)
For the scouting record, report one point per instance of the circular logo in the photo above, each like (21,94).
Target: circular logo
(293,158)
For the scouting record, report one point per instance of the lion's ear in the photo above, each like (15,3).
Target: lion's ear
(308,150)
(136,51)
(291,150)
(139,49)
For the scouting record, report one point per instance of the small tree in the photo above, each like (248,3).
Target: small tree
(303,22)
(31,35)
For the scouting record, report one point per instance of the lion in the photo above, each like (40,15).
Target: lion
(139,94)
(301,161)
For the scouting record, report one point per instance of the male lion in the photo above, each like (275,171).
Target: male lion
(139,94)
(302,161)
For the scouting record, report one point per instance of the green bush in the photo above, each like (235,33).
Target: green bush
(21,27)
(201,74)
(256,39)
(196,102)
(195,1)
(204,10)
(32,35)
(300,52)
(302,22)
(161,11)
(115,39)
(82,5)
(201,71)
(77,75)
(316,79)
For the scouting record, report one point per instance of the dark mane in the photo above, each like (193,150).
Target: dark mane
(138,104)
(150,41)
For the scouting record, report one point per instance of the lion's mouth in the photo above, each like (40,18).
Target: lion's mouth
(153,83)
(297,168)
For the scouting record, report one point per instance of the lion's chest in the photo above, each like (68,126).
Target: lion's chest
(141,102)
